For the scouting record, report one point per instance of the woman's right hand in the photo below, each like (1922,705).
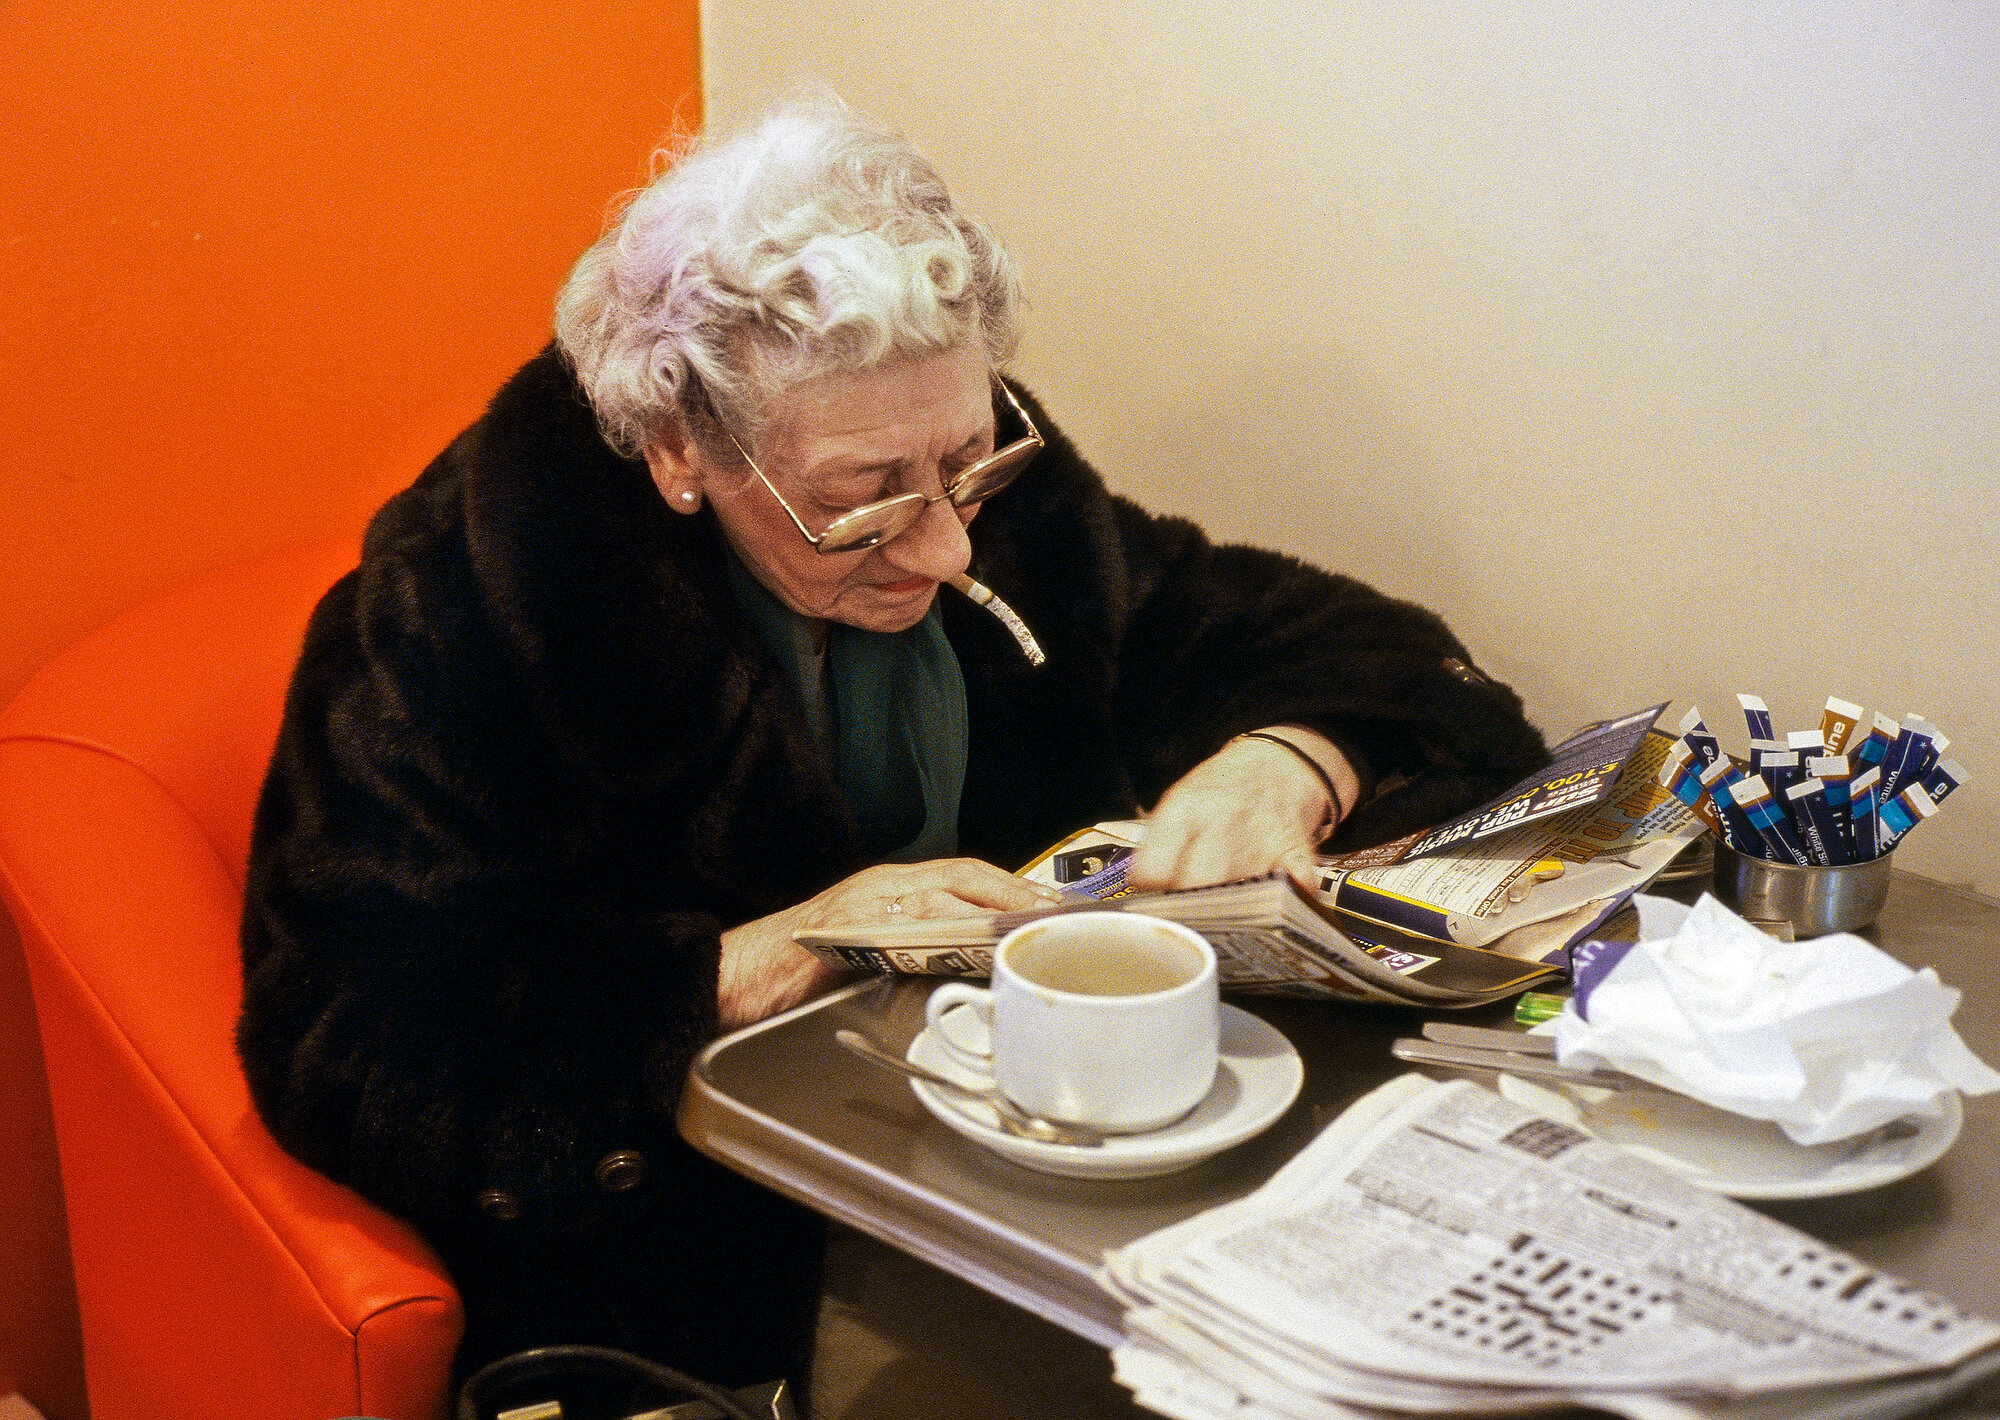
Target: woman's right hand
(943,887)
(764,971)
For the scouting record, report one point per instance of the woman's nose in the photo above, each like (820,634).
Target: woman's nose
(934,546)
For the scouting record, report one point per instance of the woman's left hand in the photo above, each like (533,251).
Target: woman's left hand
(1248,808)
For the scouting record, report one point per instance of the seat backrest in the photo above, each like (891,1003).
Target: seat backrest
(189,687)
(215,1274)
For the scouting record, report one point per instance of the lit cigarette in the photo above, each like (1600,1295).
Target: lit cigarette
(985,596)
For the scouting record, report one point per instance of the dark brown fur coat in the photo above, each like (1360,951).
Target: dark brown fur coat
(534,761)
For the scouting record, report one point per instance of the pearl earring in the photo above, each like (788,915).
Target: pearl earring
(689,498)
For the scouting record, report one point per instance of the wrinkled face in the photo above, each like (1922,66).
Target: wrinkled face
(847,439)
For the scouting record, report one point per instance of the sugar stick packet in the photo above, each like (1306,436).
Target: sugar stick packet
(1881,734)
(1902,813)
(1761,752)
(1806,801)
(1677,775)
(1757,715)
(1738,832)
(1753,795)
(1944,776)
(1699,738)
(1861,812)
(1897,759)
(1782,769)
(1925,753)
(1837,722)
(1835,771)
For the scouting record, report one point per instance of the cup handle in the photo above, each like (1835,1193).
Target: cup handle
(976,998)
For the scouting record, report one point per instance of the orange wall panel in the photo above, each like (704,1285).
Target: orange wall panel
(259,261)
(262,259)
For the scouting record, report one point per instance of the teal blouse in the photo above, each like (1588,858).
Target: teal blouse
(888,710)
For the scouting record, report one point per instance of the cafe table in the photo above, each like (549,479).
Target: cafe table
(781,1102)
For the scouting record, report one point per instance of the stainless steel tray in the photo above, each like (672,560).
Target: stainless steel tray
(782,1103)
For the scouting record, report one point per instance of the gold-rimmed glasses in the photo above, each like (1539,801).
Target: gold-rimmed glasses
(872,524)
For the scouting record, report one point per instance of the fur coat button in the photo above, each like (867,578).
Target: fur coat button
(498,1204)
(621,1170)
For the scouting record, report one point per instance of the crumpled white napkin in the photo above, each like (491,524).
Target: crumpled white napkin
(1828,1038)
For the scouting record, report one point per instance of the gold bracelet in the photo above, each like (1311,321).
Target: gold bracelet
(1335,810)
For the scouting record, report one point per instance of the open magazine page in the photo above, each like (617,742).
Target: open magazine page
(1092,863)
(1267,934)
(1526,892)
(1271,937)
(1577,866)
(1582,769)
(1439,1249)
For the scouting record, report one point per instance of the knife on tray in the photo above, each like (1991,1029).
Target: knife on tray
(1528,1057)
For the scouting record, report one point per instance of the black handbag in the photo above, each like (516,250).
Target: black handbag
(599,1383)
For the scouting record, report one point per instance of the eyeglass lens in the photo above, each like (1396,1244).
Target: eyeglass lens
(878,522)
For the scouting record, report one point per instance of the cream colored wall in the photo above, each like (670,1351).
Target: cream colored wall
(1654,346)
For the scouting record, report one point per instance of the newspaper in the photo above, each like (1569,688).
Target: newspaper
(1441,1250)
(1269,938)
(1564,874)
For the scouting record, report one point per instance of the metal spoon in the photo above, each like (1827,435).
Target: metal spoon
(1013,1118)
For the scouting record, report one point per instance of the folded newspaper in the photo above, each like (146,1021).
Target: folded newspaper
(1440,1250)
(1268,937)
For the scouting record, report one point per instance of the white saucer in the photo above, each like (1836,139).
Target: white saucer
(1744,1158)
(1258,1078)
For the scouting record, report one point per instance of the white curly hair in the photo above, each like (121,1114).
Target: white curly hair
(811,242)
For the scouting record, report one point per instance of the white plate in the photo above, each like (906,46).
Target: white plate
(1744,1158)
(1256,1081)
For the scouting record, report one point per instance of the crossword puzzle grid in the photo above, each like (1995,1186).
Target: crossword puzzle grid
(1855,1286)
(1537,1306)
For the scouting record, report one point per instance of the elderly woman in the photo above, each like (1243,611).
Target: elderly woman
(660,661)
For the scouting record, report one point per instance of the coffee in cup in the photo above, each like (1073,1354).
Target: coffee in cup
(1107,1019)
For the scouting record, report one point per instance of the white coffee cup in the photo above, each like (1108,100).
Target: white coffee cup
(1099,1018)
